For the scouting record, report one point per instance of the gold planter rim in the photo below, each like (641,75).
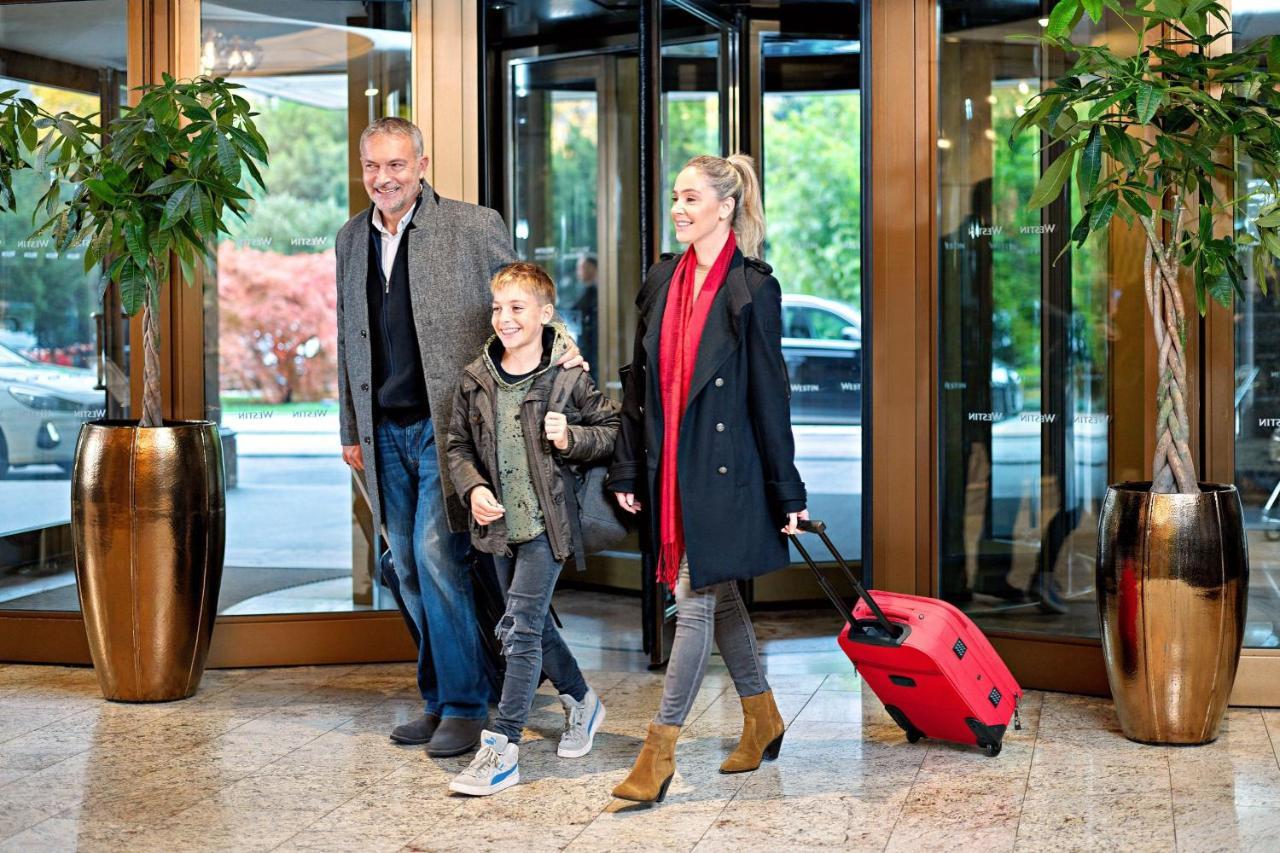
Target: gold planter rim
(1145,486)
(119,423)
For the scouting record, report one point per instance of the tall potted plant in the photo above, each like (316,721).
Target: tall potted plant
(1155,139)
(148,499)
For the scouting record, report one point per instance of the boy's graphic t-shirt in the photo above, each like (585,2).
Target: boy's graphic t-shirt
(524,514)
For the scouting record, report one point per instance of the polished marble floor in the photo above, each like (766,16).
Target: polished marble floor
(298,759)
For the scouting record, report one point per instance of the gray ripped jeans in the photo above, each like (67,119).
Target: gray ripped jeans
(530,642)
(717,611)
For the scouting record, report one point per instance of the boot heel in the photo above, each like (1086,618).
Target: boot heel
(775,746)
(662,792)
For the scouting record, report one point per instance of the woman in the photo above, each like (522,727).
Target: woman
(706,446)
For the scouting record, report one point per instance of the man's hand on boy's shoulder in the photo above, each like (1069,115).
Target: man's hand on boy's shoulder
(573,358)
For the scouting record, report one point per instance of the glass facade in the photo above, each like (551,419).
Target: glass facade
(53,376)
(316,79)
(1024,341)
(1257,392)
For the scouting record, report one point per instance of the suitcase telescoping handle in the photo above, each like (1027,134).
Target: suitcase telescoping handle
(815,526)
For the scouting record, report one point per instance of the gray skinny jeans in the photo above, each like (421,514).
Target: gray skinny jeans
(717,611)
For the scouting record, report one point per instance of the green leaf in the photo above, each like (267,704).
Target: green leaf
(1094,8)
(1090,162)
(136,239)
(1138,203)
(102,190)
(228,159)
(1063,18)
(1147,102)
(1054,178)
(202,213)
(1273,55)
(1103,209)
(167,184)
(176,206)
(133,288)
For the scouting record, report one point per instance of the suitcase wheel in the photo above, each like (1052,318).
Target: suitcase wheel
(913,734)
(993,749)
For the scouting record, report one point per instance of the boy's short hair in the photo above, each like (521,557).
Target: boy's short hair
(530,277)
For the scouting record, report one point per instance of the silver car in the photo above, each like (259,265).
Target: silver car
(41,409)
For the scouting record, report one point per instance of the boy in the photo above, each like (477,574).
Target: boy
(505,451)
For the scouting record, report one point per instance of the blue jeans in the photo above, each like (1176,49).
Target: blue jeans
(433,568)
(530,642)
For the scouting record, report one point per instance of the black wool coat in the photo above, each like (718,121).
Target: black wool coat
(737,472)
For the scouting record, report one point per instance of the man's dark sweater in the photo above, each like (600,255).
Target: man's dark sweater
(400,392)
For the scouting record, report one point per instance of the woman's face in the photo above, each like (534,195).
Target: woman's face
(696,210)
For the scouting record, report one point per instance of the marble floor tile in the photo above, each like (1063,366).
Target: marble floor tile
(1209,825)
(1060,821)
(299,759)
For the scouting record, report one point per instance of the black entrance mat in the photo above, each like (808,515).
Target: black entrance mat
(238,584)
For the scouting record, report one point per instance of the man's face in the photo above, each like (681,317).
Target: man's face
(586,271)
(391,172)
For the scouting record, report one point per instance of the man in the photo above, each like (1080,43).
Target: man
(413,309)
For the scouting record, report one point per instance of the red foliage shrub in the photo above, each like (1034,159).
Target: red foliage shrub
(277,324)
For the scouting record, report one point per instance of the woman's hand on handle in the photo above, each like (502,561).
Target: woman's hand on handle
(793,521)
(628,502)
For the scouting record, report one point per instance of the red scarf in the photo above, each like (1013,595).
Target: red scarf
(682,325)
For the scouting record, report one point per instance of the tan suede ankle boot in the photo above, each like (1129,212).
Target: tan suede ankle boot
(762,731)
(654,767)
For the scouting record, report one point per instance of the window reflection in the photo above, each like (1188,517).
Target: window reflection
(1023,414)
(316,79)
(71,57)
(1257,395)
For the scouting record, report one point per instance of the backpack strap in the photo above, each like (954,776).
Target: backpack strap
(561,392)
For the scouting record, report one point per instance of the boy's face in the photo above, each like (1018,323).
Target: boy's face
(518,317)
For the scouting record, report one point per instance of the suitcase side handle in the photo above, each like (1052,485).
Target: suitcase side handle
(815,526)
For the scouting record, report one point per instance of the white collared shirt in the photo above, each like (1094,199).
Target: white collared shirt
(391,242)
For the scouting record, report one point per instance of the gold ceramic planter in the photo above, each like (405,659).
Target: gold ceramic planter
(1173,580)
(148,515)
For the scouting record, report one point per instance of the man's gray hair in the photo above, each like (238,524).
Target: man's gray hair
(395,126)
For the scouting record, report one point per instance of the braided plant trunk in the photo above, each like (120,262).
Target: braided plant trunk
(1173,468)
(152,414)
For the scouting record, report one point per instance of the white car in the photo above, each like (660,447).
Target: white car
(41,409)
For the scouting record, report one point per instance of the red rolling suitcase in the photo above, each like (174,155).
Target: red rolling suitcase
(935,672)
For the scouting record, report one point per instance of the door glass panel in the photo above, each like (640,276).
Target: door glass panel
(317,78)
(570,177)
(63,56)
(691,84)
(811,157)
(1257,358)
(1023,411)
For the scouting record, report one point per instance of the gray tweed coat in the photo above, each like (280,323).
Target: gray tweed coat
(454,250)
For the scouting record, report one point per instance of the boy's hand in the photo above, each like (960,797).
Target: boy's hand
(557,426)
(484,506)
(628,502)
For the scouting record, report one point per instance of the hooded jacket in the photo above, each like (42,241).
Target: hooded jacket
(472,444)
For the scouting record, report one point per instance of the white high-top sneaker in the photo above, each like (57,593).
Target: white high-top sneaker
(495,767)
(581,722)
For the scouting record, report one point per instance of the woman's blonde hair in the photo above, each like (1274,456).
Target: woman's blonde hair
(735,177)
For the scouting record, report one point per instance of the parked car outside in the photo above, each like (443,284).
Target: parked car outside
(41,409)
(822,346)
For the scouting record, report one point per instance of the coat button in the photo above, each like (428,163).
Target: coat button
(723,470)
(364,386)
(642,410)
(368,440)
(719,382)
(719,427)
(363,333)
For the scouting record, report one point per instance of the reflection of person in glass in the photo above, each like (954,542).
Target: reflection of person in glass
(706,452)
(586,306)
(399,357)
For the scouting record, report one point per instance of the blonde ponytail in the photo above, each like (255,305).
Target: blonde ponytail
(735,177)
